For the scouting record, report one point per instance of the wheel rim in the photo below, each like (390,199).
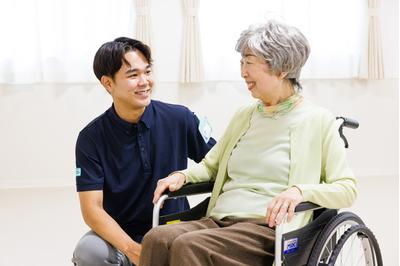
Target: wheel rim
(331,241)
(357,250)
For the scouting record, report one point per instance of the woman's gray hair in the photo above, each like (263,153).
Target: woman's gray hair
(284,47)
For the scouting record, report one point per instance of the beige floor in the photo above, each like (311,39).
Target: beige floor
(40,226)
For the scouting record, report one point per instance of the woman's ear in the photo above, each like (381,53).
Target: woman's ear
(107,83)
(282,75)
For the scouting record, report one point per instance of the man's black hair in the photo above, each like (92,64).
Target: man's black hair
(110,56)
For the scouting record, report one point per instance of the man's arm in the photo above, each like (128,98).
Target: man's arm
(199,138)
(105,226)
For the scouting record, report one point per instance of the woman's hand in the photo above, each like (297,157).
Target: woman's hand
(284,203)
(172,182)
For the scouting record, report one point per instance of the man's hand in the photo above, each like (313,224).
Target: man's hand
(284,203)
(172,182)
(133,253)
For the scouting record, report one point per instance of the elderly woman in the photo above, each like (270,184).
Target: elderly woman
(274,154)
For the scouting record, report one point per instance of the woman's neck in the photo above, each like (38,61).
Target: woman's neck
(282,93)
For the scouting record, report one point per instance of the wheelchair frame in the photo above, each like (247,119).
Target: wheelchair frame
(316,244)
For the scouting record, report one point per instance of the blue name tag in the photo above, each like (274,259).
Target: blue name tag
(290,246)
(205,129)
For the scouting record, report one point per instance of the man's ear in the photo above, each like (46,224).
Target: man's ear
(107,83)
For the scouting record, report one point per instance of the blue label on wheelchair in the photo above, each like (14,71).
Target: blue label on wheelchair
(290,246)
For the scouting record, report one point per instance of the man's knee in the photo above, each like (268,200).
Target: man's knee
(92,250)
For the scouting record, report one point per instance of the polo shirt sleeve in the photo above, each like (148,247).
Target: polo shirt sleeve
(89,172)
(197,147)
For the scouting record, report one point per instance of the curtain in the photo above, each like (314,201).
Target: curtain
(334,29)
(375,56)
(55,40)
(192,63)
(143,22)
(372,56)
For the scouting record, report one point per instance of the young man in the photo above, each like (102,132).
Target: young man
(121,154)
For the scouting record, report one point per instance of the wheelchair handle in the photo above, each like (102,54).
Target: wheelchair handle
(347,122)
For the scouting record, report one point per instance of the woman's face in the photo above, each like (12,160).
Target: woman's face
(260,80)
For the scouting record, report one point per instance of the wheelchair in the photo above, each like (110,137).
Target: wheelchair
(331,238)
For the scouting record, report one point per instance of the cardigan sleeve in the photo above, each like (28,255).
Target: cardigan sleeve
(338,185)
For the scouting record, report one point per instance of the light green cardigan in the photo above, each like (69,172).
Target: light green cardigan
(317,160)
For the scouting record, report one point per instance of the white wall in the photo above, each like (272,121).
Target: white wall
(39,123)
(167,25)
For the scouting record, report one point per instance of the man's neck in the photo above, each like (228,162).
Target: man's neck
(129,115)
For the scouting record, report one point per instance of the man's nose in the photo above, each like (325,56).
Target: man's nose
(143,80)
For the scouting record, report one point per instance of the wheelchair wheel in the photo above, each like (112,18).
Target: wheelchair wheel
(357,246)
(330,235)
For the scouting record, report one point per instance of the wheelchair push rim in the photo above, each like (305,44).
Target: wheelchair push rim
(357,246)
(329,237)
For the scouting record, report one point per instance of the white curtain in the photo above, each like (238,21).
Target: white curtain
(55,40)
(192,63)
(375,56)
(143,22)
(334,29)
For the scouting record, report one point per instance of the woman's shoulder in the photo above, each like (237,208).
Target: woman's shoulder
(317,111)
(245,110)
(314,115)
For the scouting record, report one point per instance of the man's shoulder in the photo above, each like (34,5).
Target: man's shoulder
(170,110)
(169,107)
(94,126)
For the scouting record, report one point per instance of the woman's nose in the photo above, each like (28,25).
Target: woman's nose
(243,72)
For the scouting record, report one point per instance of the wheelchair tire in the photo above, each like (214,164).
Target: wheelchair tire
(357,246)
(330,235)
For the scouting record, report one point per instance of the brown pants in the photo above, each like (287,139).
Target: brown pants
(209,242)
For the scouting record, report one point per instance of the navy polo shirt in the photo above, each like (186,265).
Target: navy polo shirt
(126,160)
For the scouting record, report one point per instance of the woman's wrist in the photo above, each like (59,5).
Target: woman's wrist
(181,175)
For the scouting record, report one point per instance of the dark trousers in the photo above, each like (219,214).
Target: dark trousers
(209,242)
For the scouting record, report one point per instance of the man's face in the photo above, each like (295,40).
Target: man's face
(132,85)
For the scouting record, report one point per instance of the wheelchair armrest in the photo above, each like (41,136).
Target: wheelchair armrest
(186,190)
(302,207)
(192,189)
(306,206)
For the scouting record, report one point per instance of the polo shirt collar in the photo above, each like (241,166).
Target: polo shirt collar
(148,115)
(147,118)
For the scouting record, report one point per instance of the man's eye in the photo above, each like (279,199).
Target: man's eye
(148,71)
(133,76)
